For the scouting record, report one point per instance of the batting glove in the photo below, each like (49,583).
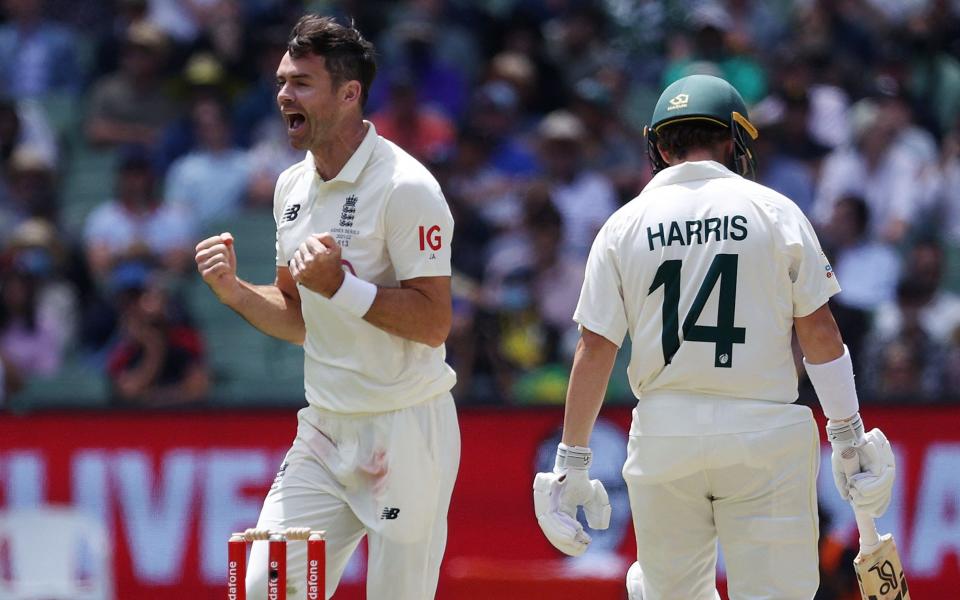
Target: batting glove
(870,489)
(557,495)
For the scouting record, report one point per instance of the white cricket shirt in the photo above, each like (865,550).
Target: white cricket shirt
(706,271)
(392,222)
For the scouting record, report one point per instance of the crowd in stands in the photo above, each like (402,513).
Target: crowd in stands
(130,128)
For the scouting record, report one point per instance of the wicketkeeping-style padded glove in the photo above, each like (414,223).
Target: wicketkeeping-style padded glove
(557,495)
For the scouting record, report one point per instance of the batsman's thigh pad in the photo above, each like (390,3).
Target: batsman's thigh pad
(764,485)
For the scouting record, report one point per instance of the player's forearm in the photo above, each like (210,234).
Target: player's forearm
(411,314)
(819,336)
(592,364)
(270,310)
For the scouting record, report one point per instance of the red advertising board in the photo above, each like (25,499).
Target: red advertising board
(171,487)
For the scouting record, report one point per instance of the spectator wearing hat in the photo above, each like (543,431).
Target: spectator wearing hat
(157,358)
(136,224)
(584,198)
(37,56)
(37,306)
(29,189)
(131,106)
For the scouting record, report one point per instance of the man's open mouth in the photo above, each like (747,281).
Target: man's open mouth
(294,120)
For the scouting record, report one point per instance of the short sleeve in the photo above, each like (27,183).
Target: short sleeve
(601,308)
(279,199)
(418,228)
(811,274)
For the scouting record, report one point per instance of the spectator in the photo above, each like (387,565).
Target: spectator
(611,148)
(867,269)
(937,311)
(440,56)
(31,338)
(584,198)
(712,25)
(131,106)
(158,358)
(577,41)
(110,43)
(30,189)
(876,169)
(530,290)
(24,124)
(270,155)
(791,155)
(37,57)
(205,81)
(211,181)
(136,225)
(258,103)
(418,129)
(494,115)
(905,365)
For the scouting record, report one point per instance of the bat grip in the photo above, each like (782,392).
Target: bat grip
(869,538)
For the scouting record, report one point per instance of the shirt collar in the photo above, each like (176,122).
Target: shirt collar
(689,171)
(351,171)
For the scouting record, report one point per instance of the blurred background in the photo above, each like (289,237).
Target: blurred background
(141,421)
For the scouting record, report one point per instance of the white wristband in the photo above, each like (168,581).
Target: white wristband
(572,457)
(833,382)
(355,295)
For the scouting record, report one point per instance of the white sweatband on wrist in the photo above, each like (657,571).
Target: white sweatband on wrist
(845,433)
(572,457)
(355,295)
(833,382)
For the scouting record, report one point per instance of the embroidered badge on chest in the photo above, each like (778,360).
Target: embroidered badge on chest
(345,232)
(349,211)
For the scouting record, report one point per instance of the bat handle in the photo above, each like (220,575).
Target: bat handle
(869,538)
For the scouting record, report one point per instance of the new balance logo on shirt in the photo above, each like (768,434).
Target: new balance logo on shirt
(390,513)
(291,213)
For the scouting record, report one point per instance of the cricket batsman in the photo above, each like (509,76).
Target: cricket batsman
(711,274)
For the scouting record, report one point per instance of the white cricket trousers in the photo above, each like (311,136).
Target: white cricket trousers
(754,491)
(388,476)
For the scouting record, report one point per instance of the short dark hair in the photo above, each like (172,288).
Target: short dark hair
(680,138)
(348,56)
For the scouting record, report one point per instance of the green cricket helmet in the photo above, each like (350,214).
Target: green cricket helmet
(704,98)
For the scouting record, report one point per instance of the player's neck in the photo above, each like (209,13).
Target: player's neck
(330,157)
(697,155)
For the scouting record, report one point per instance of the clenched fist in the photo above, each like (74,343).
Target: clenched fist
(316,264)
(217,264)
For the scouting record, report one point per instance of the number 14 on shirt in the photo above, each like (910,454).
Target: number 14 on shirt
(724,334)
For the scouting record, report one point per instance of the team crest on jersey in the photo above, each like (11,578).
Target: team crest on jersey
(349,211)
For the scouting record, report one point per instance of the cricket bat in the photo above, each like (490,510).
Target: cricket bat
(877,565)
